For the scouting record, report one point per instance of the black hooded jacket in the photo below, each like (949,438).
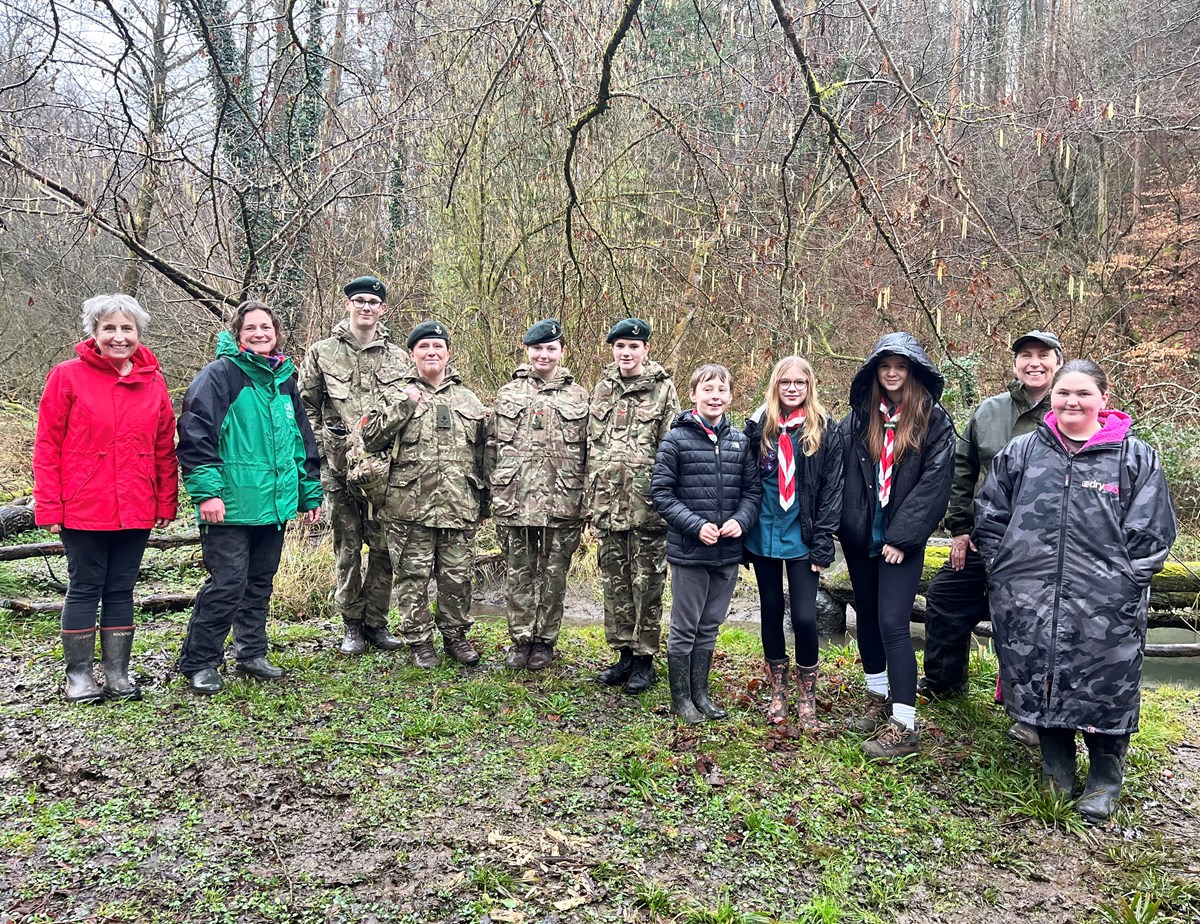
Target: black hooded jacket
(921,481)
(696,481)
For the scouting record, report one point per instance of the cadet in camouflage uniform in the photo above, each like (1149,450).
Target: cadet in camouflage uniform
(537,454)
(435,425)
(1072,522)
(633,406)
(339,379)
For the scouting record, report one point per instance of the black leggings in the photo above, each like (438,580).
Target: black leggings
(883,602)
(102,567)
(802,589)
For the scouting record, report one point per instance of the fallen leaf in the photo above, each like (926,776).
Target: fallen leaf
(568,903)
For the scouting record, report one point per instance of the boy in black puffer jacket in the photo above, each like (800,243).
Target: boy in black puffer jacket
(706,486)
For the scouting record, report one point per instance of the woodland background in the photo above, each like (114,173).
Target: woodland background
(753,178)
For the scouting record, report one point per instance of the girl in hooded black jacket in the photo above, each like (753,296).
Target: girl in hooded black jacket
(899,465)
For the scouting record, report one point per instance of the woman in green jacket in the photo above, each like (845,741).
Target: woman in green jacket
(250,462)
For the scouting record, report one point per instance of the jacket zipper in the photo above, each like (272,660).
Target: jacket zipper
(1062,553)
(720,481)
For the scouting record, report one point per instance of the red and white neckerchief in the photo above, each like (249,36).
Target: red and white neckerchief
(787,459)
(712,434)
(887,456)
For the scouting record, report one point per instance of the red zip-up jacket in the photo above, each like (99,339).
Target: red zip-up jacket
(104,458)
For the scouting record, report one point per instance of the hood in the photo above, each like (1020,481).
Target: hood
(255,366)
(919,364)
(144,362)
(651,374)
(562,375)
(1114,425)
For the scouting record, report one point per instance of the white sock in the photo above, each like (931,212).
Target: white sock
(905,714)
(878,683)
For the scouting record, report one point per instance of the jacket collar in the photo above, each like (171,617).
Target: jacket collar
(145,363)
(257,367)
(561,379)
(1114,425)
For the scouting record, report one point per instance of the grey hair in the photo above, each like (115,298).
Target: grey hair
(99,307)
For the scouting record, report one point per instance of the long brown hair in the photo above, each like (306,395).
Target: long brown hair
(814,411)
(914,415)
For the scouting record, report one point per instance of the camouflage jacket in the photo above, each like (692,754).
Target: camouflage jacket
(1070,542)
(436,477)
(628,419)
(537,450)
(338,381)
(996,421)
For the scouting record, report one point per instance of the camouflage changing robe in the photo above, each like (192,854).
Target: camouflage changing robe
(1070,541)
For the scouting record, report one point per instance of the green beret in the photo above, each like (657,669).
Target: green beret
(629,329)
(428,330)
(365,285)
(546,331)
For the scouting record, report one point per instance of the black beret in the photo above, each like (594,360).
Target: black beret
(428,330)
(365,285)
(546,331)
(629,329)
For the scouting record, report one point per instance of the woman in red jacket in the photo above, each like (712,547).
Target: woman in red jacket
(104,473)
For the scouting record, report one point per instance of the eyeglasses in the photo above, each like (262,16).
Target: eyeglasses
(793,384)
(359,302)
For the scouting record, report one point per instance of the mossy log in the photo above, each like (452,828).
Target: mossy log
(1174,591)
(35,549)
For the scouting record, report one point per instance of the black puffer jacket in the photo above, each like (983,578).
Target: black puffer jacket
(819,480)
(696,481)
(921,483)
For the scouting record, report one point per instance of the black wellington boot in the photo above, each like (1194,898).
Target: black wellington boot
(1106,754)
(115,648)
(679,675)
(79,651)
(1058,759)
(617,674)
(700,667)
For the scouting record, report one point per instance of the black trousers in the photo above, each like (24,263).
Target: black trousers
(955,603)
(102,568)
(883,601)
(802,591)
(241,563)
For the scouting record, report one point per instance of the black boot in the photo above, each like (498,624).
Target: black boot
(642,677)
(618,673)
(115,648)
(379,637)
(260,669)
(354,642)
(701,665)
(79,652)
(679,676)
(1106,754)
(1058,759)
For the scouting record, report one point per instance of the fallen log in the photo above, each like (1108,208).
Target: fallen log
(16,518)
(36,549)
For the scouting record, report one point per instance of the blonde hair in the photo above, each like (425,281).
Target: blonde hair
(814,411)
(914,417)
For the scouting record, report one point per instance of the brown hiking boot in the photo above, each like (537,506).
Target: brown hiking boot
(379,637)
(459,647)
(894,739)
(353,642)
(424,655)
(540,656)
(806,698)
(777,675)
(878,711)
(518,656)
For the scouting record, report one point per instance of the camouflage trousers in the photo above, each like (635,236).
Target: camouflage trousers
(361,596)
(537,559)
(633,566)
(423,553)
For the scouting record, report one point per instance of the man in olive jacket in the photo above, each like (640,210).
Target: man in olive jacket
(435,427)
(957,597)
(342,376)
(633,406)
